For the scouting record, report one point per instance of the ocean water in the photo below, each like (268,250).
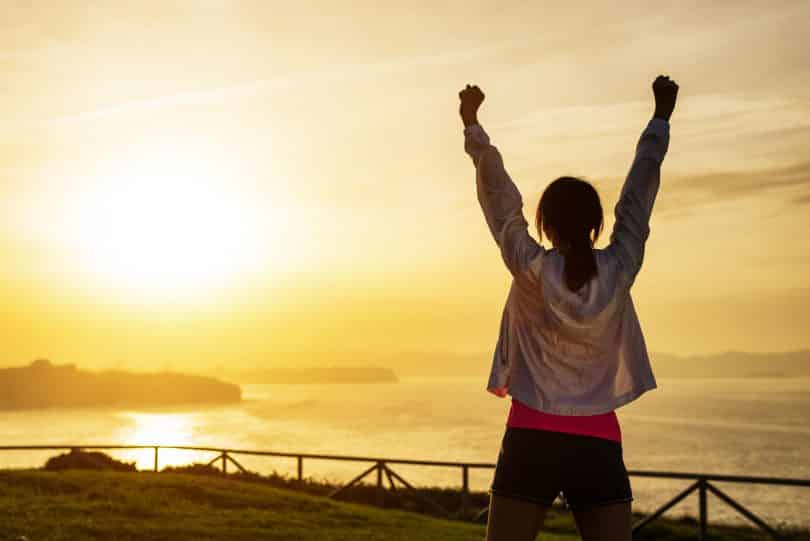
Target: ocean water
(721,426)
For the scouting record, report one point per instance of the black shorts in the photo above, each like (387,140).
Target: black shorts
(536,465)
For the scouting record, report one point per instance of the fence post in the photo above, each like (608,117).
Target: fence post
(156,458)
(300,468)
(380,493)
(704,510)
(224,462)
(465,489)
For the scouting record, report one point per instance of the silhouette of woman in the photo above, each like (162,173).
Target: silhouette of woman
(570,349)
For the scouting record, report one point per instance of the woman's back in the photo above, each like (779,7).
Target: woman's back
(561,351)
(572,353)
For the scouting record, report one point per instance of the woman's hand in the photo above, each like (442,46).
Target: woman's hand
(471,99)
(666,93)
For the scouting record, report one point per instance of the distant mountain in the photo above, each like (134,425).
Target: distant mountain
(439,364)
(43,384)
(733,364)
(330,374)
(729,364)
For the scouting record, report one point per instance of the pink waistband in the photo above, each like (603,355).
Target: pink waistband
(604,425)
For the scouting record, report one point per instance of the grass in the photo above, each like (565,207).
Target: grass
(78,505)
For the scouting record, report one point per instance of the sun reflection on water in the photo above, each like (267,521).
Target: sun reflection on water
(160,429)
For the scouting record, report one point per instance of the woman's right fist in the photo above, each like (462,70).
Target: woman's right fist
(666,93)
(471,99)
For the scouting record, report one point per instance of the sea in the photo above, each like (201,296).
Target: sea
(745,426)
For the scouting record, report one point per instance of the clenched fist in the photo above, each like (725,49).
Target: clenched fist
(471,99)
(666,93)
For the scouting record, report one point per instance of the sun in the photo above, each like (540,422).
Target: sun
(173,218)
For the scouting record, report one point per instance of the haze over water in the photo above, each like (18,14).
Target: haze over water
(752,426)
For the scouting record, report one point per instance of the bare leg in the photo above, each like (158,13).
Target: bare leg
(513,520)
(612,522)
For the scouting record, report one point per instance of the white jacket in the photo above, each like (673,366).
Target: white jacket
(558,351)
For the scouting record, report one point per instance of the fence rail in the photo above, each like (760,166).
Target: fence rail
(702,482)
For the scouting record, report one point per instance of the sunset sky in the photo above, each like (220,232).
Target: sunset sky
(193,184)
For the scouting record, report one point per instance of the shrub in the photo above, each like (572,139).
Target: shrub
(77,459)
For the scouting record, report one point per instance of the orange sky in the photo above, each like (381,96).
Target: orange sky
(212,182)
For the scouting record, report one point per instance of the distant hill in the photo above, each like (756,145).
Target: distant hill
(733,364)
(439,364)
(43,384)
(729,364)
(330,374)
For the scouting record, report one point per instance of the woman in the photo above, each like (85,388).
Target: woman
(570,349)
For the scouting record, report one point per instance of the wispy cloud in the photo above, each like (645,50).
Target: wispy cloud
(696,114)
(333,73)
(685,193)
(801,200)
(722,146)
(741,183)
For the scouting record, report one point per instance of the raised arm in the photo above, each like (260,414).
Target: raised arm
(638,194)
(498,196)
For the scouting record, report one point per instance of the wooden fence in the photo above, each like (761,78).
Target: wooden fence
(702,483)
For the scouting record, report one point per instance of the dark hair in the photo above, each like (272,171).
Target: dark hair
(570,207)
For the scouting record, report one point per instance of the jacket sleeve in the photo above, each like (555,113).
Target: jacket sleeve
(500,202)
(633,211)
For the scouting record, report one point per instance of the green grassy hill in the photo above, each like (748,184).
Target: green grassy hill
(122,506)
(79,505)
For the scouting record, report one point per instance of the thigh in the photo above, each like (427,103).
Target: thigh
(511,519)
(529,466)
(595,474)
(610,522)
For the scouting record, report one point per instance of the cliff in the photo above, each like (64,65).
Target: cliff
(43,384)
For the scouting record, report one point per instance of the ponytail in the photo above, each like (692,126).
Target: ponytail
(580,263)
